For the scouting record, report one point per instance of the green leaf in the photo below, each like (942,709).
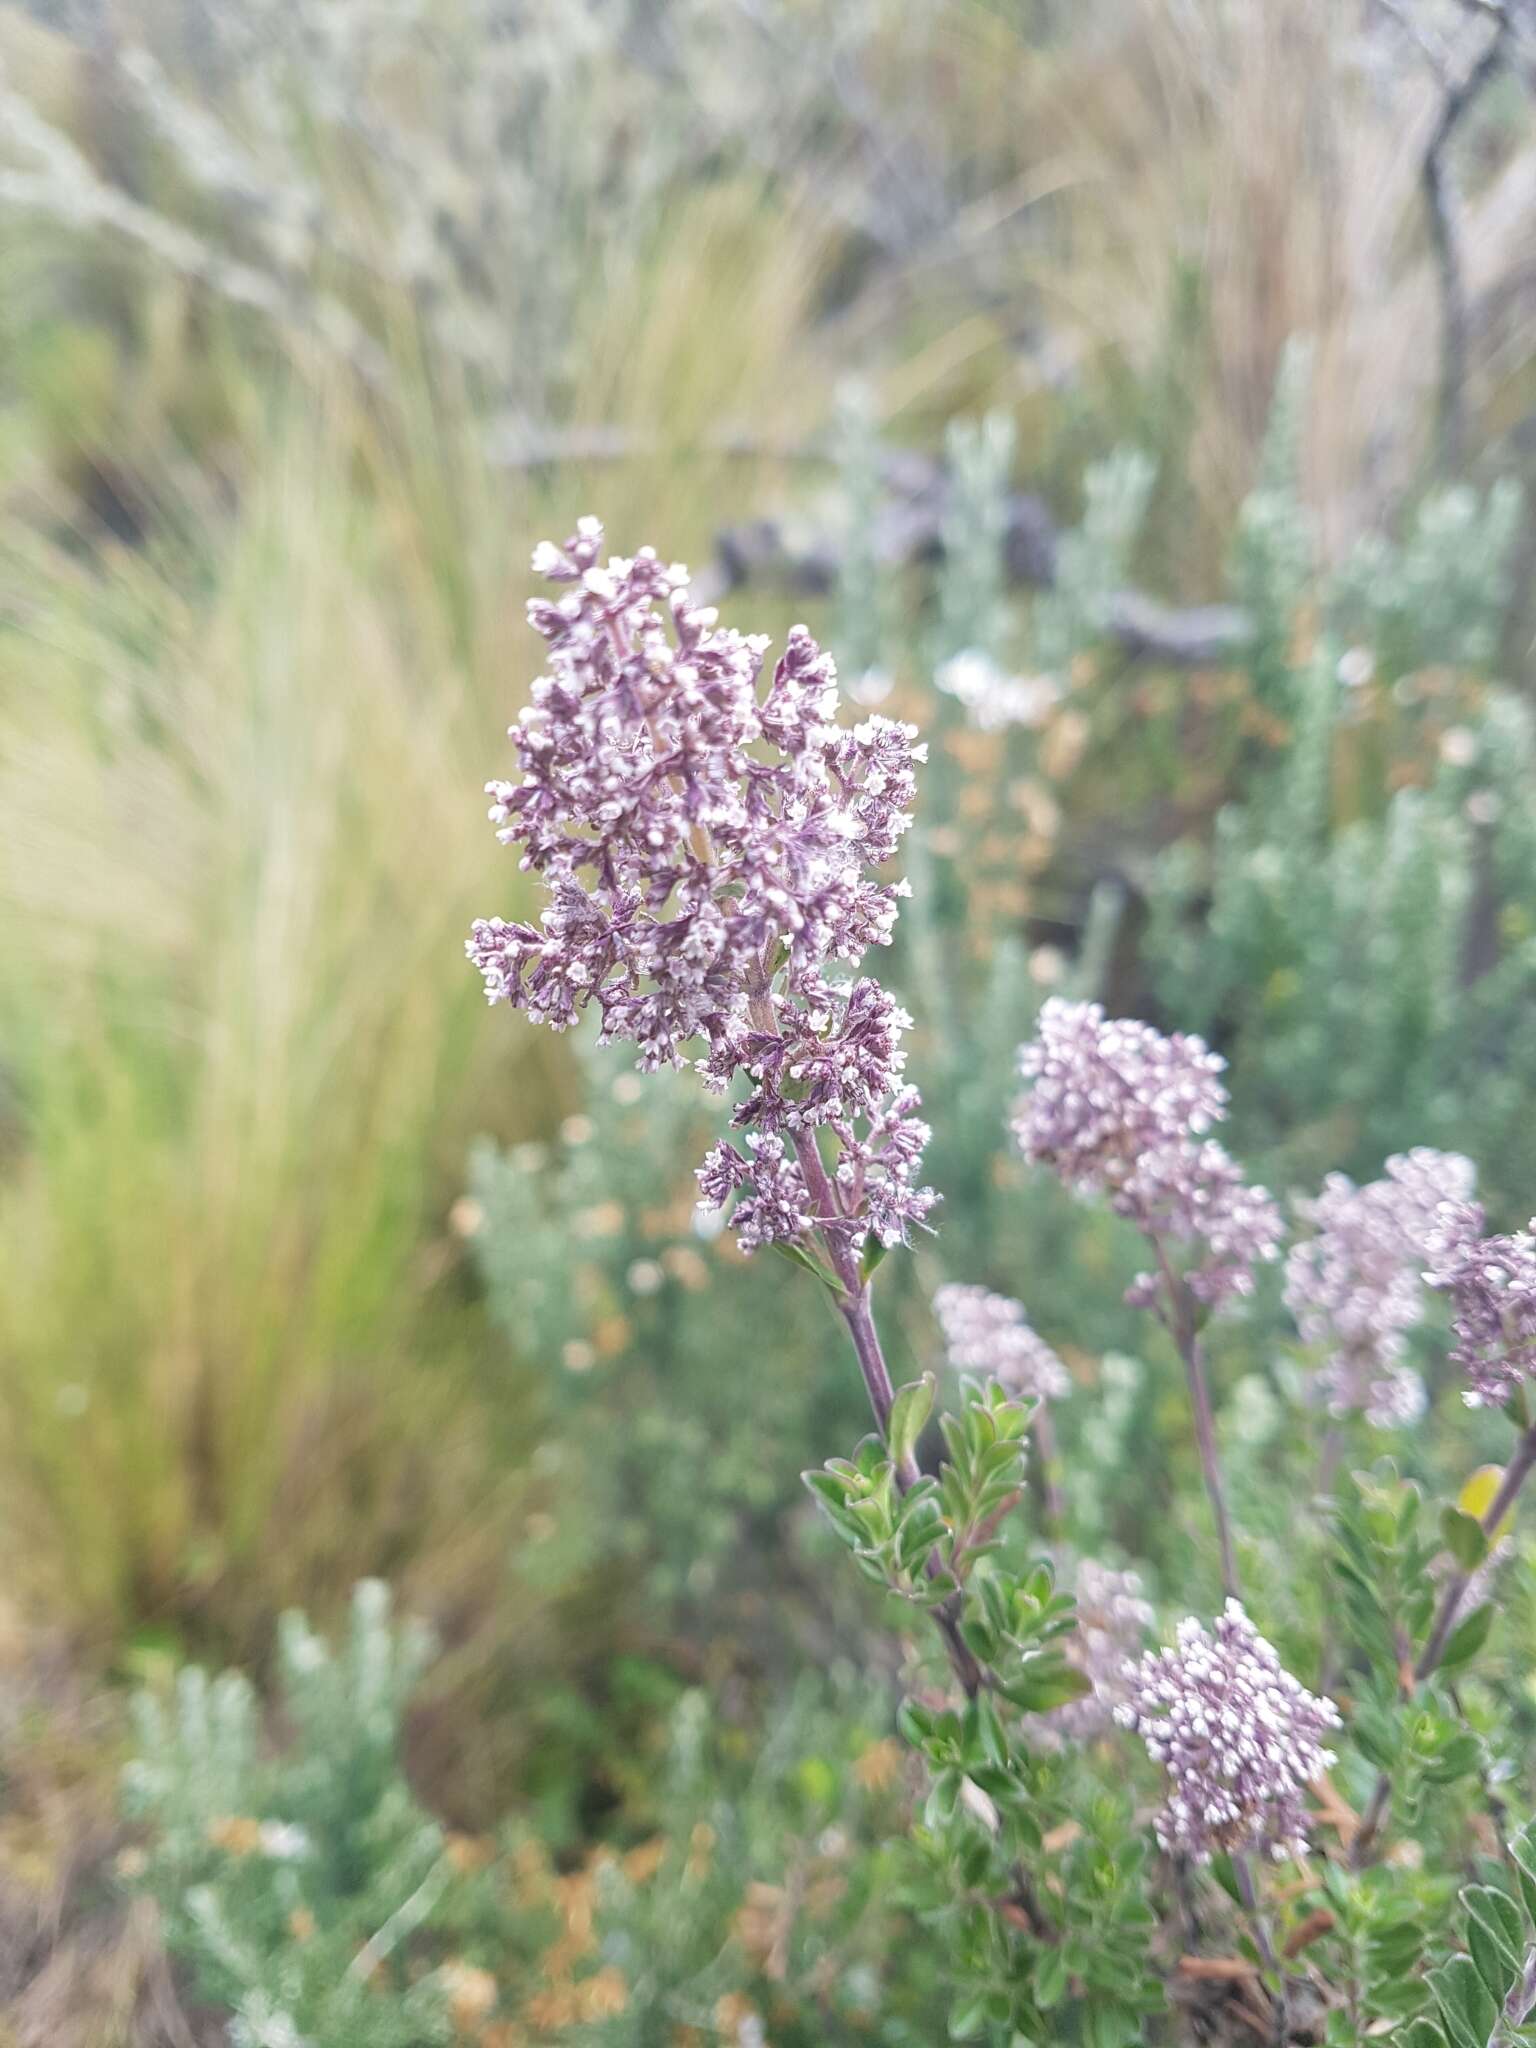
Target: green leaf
(1467,1638)
(1049,1983)
(1395,1950)
(1047,1683)
(828,1486)
(874,1256)
(915,1722)
(1464,1538)
(909,1414)
(1523,1850)
(1497,1971)
(803,1259)
(942,1800)
(1420,2033)
(1469,2014)
(918,1536)
(1111,2027)
(968,2018)
(1459,1759)
(1497,1915)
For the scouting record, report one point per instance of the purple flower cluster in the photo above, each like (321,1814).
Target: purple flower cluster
(1113,1618)
(988,1335)
(1117,1109)
(1239,1738)
(708,847)
(1491,1282)
(1356,1287)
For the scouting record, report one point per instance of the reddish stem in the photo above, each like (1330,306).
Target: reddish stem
(1180,1322)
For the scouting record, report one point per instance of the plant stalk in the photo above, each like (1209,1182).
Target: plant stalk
(1181,1326)
(1242,1865)
(855,1308)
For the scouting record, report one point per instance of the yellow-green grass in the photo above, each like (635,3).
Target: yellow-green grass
(243,1055)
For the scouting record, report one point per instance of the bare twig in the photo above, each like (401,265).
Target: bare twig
(1459,93)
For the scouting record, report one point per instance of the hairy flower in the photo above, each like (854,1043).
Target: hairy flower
(1116,1108)
(1356,1287)
(987,1334)
(1491,1282)
(708,847)
(1239,1738)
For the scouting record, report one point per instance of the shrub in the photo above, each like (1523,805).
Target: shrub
(705,895)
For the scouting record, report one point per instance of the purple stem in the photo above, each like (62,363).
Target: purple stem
(858,1315)
(854,1304)
(1242,1867)
(1181,1326)
(1515,1475)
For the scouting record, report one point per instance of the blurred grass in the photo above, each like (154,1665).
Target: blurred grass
(242,841)
(235,869)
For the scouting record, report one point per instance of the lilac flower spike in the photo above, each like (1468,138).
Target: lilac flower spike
(1356,1287)
(1117,1109)
(708,849)
(1239,1738)
(988,1335)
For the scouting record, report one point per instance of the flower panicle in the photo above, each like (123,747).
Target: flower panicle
(989,1336)
(710,847)
(1116,1108)
(1355,1287)
(1490,1282)
(1239,1738)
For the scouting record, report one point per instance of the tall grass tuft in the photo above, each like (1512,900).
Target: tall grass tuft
(241,1049)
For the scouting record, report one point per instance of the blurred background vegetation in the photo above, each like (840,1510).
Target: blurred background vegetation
(1139,394)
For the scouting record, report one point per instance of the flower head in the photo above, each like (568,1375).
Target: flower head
(1239,1738)
(708,848)
(1356,1286)
(1491,1282)
(1116,1108)
(987,1334)
(1105,1092)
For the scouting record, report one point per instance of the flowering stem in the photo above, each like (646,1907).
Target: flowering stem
(858,1315)
(1180,1321)
(1332,1456)
(1242,1866)
(1516,1473)
(1051,1506)
(855,1308)
(853,1303)
(1205,1437)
